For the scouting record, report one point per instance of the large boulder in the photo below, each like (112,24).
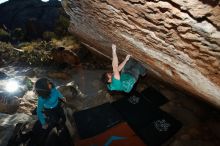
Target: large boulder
(8,104)
(177,40)
(62,56)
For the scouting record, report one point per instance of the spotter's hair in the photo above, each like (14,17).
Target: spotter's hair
(42,89)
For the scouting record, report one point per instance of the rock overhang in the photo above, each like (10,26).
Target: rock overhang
(176,40)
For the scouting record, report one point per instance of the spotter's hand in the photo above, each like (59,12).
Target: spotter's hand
(45,126)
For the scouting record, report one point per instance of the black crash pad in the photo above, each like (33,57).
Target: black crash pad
(93,121)
(159,130)
(154,97)
(135,110)
(142,117)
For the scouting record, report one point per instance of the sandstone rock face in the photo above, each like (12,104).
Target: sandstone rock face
(177,40)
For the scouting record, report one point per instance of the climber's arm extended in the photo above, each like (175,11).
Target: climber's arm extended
(115,63)
(123,63)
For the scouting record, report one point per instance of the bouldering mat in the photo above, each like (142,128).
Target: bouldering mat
(146,120)
(135,110)
(119,135)
(154,97)
(93,121)
(159,130)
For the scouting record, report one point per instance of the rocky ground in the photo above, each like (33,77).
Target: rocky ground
(83,89)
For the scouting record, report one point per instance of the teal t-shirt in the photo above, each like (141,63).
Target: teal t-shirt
(48,103)
(125,83)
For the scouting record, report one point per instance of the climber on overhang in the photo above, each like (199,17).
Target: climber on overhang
(125,75)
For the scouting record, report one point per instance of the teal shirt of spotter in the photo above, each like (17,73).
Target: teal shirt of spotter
(49,103)
(125,83)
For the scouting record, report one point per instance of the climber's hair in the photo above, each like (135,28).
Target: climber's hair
(105,78)
(42,87)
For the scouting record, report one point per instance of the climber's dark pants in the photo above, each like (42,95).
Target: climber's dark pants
(134,68)
(55,118)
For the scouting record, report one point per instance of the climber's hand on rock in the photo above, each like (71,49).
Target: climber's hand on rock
(128,57)
(113,48)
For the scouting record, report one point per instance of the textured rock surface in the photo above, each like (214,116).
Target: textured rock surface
(178,40)
(7,125)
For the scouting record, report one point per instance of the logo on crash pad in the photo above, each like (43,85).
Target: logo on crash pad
(162,125)
(111,139)
(134,99)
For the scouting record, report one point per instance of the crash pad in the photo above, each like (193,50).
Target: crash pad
(135,110)
(152,124)
(93,121)
(154,97)
(159,130)
(119,135)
